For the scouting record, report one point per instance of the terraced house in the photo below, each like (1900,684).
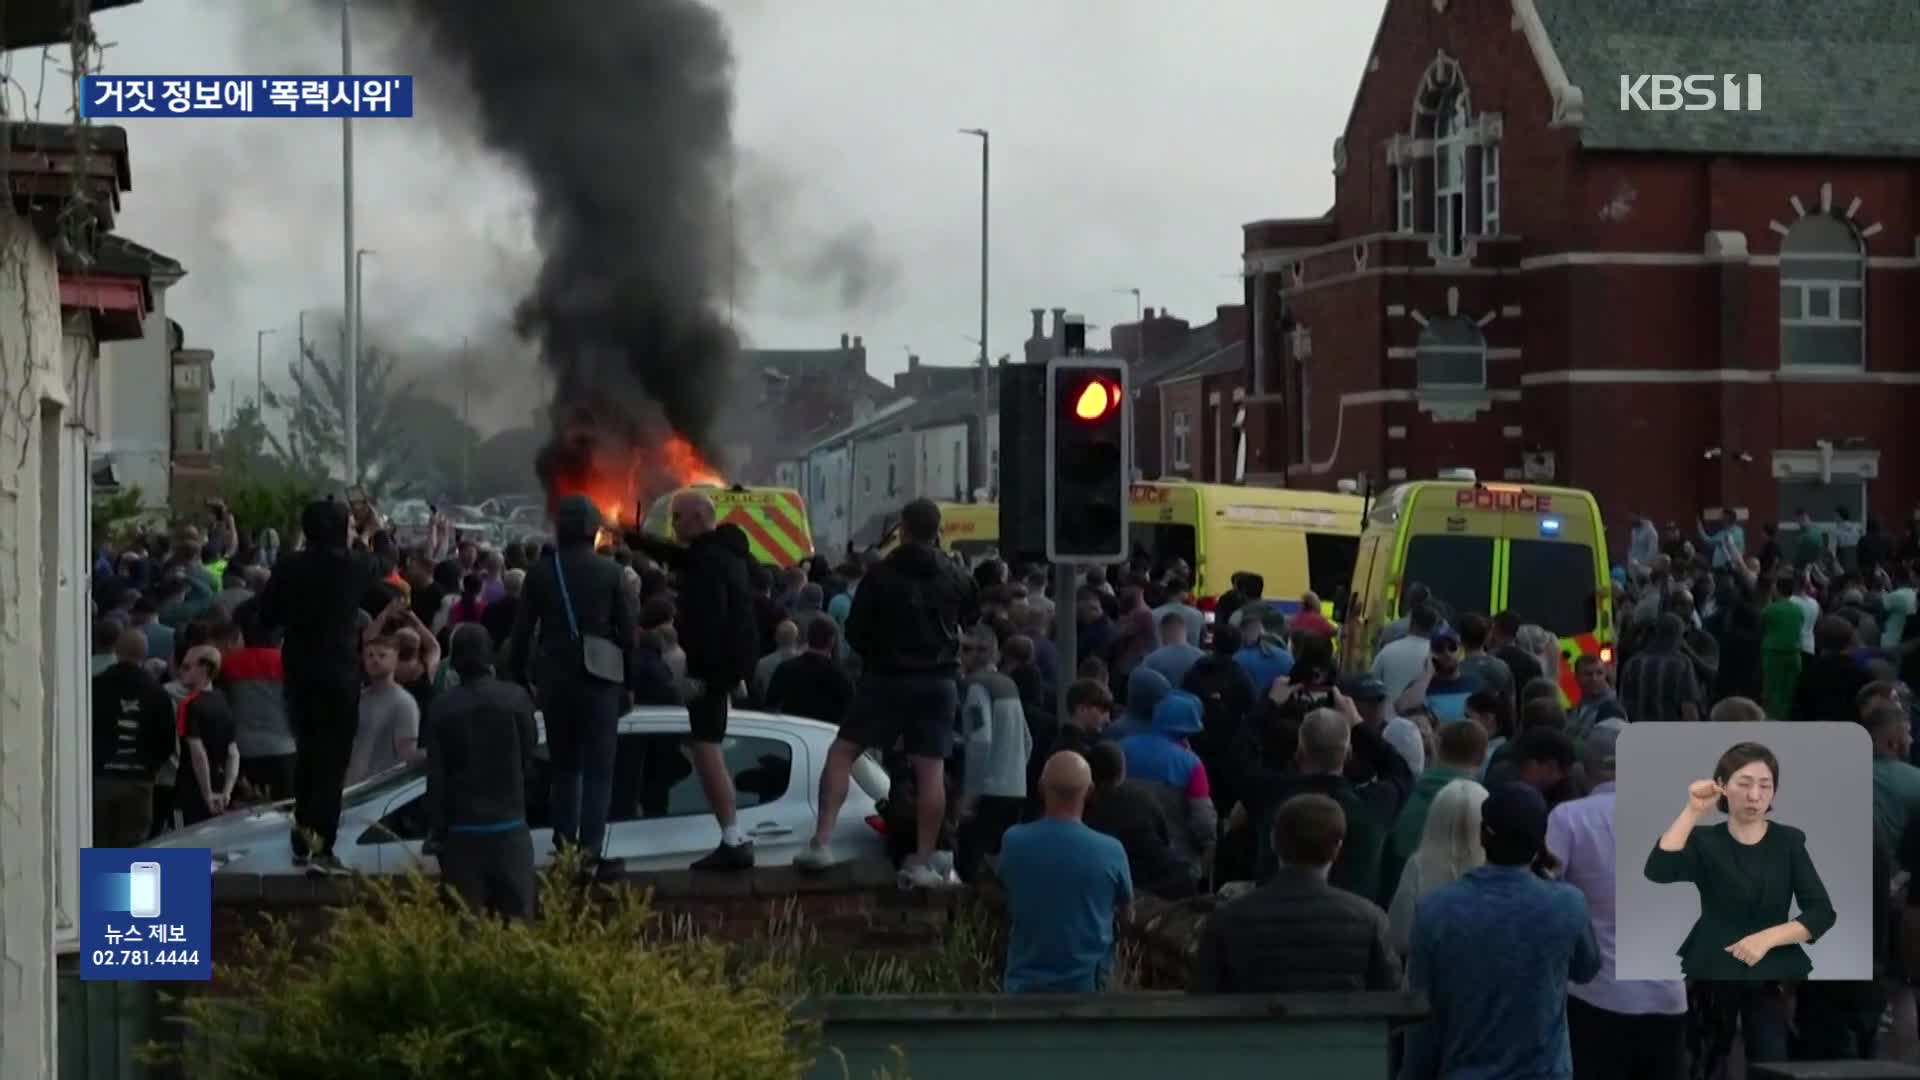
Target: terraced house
(1527,274)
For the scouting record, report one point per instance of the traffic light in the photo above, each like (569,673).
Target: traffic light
(1089,459)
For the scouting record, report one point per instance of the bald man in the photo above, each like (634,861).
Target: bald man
(718,626)
(133,735)
(1066,884)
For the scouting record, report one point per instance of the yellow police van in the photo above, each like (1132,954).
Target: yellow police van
(774,519)
(1540,552)
(1295,540)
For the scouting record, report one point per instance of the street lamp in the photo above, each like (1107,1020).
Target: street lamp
(259,380)
(350,362)
(986,143)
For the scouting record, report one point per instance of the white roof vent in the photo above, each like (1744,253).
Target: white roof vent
(1466,475)
(1347,487)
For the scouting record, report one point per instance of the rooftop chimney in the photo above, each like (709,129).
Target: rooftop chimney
(1146,315)
(1039,322)
(843,341)
(1059,322)
(913,361)
(857,343)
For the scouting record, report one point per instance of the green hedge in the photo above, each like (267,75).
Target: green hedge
(406,986)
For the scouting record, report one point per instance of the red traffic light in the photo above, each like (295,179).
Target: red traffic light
(1096,399)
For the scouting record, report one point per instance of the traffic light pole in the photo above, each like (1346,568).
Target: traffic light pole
(1066,636)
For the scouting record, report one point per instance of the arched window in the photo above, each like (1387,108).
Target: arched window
(1452,355)
(1823,269)
(1451,121)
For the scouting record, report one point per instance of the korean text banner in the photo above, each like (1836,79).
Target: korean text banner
(146,913)
(104,97)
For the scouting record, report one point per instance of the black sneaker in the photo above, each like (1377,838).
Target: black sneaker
(728,857)
(301,860)
(327,865)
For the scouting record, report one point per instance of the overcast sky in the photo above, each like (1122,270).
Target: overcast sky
(1131,140)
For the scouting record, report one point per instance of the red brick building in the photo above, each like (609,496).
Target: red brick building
(1678,310)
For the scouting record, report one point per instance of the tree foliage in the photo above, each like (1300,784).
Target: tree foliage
(117,514)
(268,501)
(410,443)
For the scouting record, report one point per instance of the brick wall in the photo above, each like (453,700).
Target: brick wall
(853,906)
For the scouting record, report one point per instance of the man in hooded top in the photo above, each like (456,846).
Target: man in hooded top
(570,595)
(715,619)
(314,596)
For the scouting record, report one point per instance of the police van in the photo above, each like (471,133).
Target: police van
(1540,552)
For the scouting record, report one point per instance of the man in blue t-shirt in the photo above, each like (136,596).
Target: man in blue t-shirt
(1449,688)
(1065,886)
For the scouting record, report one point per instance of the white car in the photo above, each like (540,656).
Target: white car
(658,818)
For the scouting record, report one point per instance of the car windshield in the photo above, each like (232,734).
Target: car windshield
(379,788)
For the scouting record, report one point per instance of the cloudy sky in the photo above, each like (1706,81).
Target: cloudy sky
(1129,145)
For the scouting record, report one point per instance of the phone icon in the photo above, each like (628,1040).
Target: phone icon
(143,895)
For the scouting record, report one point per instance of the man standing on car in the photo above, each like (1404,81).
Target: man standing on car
(315,594)
(572,606)
(905,624)
(714,616)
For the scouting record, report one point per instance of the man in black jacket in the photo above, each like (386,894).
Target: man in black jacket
(483,739)
(1298,933)
(905,624)
(133,735)
(569,596)
(314,595)
(715,617)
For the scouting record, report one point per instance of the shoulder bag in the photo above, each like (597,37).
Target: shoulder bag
(600,656)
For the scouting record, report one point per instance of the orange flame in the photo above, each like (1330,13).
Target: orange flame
(622,480)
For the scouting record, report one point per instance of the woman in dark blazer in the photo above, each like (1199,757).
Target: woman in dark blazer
(1749,871)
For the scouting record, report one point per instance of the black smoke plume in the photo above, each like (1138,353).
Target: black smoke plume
(619,116)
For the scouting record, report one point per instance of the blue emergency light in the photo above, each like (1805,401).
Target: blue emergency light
(1549,526)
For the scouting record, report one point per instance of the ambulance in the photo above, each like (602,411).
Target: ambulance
(972,529)
(1539,552)
(1295,540)
(774,519)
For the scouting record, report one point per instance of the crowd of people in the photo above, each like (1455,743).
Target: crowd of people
(1439,819)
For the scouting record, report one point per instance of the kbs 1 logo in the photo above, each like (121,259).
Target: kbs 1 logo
(1690,93)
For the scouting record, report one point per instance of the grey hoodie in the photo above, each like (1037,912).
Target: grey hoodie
(993,727)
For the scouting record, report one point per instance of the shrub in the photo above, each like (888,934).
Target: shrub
(404,985)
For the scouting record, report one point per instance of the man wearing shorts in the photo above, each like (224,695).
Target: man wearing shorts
(906,624)
(714,617)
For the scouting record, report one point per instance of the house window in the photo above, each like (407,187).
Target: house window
(1450,171)
(893,476)
(1403,199)
(1452,355)
(1490,190)
(1822,295)
(1182,430)
(959,472)
(1821,500)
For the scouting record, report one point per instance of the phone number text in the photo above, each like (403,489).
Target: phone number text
(146,957)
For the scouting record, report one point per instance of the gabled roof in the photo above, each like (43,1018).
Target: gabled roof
(880,415)
(1838,75)
(1219,361)
(118,255)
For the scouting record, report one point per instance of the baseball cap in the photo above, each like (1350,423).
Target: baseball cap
(1363,688)
(1446,633)
(1515,810)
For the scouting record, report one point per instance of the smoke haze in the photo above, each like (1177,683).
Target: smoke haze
(619,118)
